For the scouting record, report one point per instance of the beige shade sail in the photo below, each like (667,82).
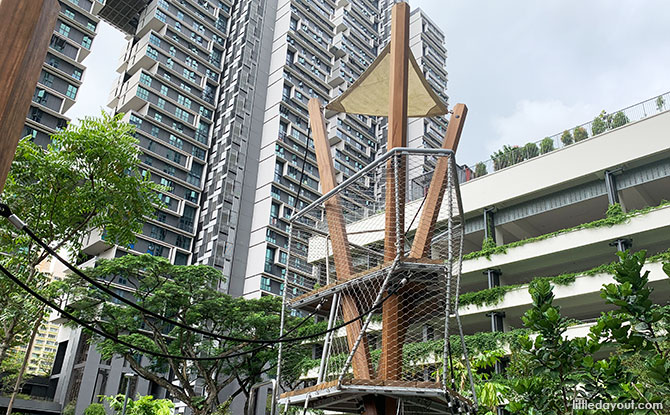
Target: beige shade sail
(369,95)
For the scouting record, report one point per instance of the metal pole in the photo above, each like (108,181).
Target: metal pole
(129,377)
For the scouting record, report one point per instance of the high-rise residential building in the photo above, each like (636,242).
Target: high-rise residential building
(218,92)
(168,84)
(167,88)
(63,70)
(227,204)
(319,48)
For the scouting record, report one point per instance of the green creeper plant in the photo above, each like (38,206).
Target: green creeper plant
(660,103)
(546,145)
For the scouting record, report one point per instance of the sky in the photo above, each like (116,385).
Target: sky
(525,69)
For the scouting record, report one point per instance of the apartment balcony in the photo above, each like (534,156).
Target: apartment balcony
(94,243)
(580,300)
(335,79)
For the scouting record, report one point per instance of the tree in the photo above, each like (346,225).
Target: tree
(638,327)
(600,124)
(546,145)
(547,373)
(188,294)
(566,138)
(620,119)
(87,178)
(580,134)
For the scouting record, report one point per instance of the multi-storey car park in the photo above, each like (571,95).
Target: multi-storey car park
(63,70)
(546,217)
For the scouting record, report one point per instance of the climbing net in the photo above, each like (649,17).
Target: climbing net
(378,261)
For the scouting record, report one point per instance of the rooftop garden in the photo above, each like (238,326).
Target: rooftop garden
(510,155)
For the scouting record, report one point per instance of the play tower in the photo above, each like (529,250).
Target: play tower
(384,247)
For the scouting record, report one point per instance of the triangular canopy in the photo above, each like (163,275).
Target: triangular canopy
(369,95)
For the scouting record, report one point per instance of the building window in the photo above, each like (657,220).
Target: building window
(161,103)
(91,26)
(158,117)
(198,152)
(86,42)
(142,93)
(152,53)
(160,16)
(145,79)
(177,142)
(64,29)
(48,79)
(154,131)
(71,91)
(76,74)
(164,90)
(158,233)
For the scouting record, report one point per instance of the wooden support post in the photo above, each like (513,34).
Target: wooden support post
(25,30)
(390,365)
(426,227)
(361,362)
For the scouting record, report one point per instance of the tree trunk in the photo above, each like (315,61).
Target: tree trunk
(24,365)
(9,335)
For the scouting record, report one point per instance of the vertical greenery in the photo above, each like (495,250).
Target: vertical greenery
(660,103)
(546,145)
(566,138)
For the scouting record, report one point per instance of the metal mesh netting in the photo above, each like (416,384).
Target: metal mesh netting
(364,252)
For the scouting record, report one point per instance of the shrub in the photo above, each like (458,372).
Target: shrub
(480,169)
(508,156)
(580,134)
(620,119)
(95,409)
(660,103)
(69,408)
(531,150)
(546,145)
(599,124)
(566,138)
